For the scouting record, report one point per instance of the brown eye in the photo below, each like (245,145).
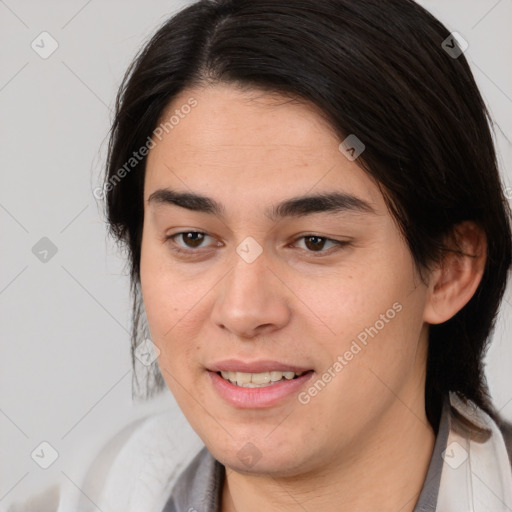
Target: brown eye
(315,243)
(187,241)
(192,239)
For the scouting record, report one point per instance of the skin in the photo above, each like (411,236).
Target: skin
(362,443)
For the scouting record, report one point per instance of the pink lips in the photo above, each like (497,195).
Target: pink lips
(257,398)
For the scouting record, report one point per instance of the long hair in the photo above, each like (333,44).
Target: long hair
(380,70)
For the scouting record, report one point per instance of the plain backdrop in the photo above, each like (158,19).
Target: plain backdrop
(65,373)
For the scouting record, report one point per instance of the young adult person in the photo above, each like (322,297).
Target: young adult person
(319,240)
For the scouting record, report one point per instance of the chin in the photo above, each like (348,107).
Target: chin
(268,458)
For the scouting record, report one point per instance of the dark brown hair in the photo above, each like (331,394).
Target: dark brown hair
(375,69)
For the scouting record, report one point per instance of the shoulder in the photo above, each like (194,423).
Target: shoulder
(139,466)
(134,470)
(471,422)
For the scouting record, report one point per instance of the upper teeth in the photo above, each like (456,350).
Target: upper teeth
(251,380)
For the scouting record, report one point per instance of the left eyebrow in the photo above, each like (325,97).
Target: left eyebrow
(333,202)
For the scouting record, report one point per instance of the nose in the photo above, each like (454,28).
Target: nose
(251,300)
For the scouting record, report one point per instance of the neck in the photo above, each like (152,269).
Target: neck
(384,469)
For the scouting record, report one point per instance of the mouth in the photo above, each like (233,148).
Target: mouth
(268,385)
(259,380)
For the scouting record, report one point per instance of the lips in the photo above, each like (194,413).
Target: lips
(264,397)
(236,365)
(258,393)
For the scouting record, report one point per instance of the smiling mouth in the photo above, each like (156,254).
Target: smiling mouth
(259,380)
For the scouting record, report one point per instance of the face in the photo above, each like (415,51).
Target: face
(252,277)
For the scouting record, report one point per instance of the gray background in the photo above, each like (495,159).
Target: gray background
(65,374)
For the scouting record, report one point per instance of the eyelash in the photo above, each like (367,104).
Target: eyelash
(190,252)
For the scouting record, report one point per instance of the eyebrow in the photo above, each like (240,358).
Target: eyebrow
(332,202)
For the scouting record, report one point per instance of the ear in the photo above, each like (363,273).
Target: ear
(455,280)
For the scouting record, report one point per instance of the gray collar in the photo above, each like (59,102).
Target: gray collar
(199,487)
(427,500)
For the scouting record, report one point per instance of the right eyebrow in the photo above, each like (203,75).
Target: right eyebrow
(187,200)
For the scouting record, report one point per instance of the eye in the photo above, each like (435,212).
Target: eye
(315,243)
(191,240)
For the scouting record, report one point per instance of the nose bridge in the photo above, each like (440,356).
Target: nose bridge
(247,279)
(251,296)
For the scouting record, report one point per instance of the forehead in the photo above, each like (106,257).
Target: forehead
(262,145)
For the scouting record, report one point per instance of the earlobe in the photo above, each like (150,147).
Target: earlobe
(455,280)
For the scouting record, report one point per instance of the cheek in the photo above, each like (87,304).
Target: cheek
(164,300)
(166,295)
(377,303)
(377,352)
(349,299)
(177,308)
(166,311)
